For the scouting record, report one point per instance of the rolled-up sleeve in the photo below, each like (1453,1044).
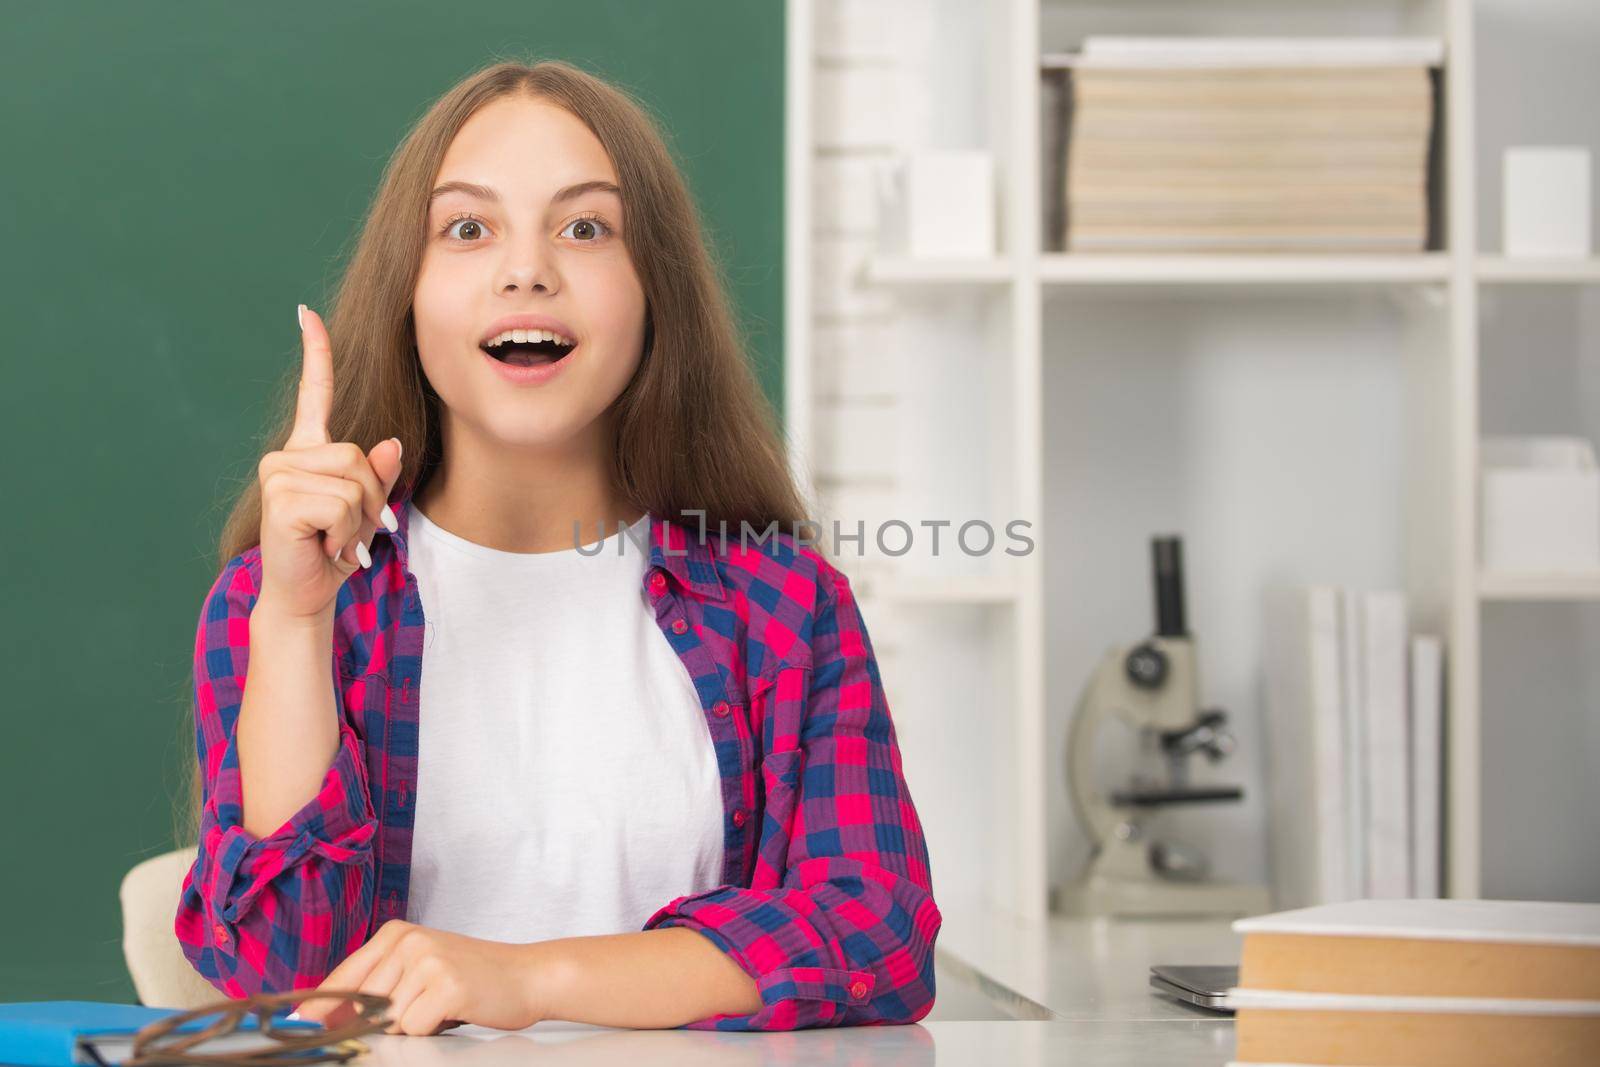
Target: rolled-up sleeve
(274,913)
(838,925)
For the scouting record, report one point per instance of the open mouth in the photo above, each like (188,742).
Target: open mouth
(528,353)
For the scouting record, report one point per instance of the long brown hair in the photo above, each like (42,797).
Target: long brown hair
(694,431)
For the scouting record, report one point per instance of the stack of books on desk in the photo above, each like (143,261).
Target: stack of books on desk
(1453,983)
(1249,144)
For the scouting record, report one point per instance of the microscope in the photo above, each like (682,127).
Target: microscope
(1152,688)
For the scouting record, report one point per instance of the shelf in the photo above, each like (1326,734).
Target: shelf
(911,270)
(1089,269)
(1574,585)
(1081,268)
(960,589)
(1538,271)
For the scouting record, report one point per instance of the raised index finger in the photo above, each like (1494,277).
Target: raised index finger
(316,384)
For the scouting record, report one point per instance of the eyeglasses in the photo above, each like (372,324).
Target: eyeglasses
(158,1045)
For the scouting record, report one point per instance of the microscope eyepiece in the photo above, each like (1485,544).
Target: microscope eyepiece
(1166,557)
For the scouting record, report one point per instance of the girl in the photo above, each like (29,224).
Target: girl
(644,780)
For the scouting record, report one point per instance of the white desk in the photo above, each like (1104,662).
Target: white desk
(1081,991)
(992,1044)
(1086,970)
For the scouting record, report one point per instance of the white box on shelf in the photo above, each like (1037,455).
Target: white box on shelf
(1547,203)
(939,205)
(1541,505)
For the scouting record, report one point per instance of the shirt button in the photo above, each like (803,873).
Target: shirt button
(858,989)
(739,817)
(658,583)
(720,707)
(679,626)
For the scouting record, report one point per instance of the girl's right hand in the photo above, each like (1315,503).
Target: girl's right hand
(319,500)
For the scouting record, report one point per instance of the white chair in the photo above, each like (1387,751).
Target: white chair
(162,974)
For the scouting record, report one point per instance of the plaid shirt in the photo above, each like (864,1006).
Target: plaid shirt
(826,898)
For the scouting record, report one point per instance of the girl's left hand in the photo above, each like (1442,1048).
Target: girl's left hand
(434,978)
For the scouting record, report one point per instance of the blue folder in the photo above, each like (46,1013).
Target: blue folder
(53,1033)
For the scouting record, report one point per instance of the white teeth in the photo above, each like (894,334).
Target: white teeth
(529,337)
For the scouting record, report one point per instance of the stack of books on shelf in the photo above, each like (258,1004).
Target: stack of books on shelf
(1353,722)
(1426,983)
(1216,144)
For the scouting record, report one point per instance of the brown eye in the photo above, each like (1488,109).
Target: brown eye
(588,224)
(464,222)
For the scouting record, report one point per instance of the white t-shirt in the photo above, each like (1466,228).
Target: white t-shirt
(566,780)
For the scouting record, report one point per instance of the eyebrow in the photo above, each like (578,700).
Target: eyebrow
(484,192)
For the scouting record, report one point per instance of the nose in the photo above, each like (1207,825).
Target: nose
(528,268)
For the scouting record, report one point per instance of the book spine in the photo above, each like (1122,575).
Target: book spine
(1387,745)
(1332,811)
(1427,717)
(1352,691)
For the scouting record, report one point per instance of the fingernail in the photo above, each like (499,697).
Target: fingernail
(388,518)
(300,315)
(363,555)
(399,446)
(294,1015)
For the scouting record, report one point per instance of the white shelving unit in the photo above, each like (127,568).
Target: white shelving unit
(1499,269)
(1039,385)
(1576,586)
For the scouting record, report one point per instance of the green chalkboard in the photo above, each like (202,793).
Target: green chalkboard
(176,178)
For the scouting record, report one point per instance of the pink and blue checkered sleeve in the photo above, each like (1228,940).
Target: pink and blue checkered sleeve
(838,924)
(275,913)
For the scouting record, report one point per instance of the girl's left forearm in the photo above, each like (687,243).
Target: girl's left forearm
(652,979)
